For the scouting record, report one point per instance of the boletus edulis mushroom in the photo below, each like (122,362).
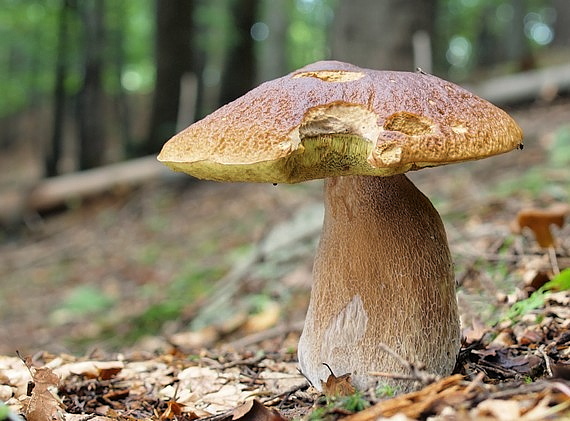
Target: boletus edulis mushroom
(383,273)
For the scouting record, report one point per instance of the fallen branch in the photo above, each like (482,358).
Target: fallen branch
(56,191)
(418,373)
(258,337)
(525,86)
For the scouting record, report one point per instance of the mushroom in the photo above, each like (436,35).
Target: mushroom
(383,274)
(539,222)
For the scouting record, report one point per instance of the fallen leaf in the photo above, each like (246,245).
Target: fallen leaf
(338,386)
(412,404)
(254,411)
(42,405)
(103,370)
(173,410)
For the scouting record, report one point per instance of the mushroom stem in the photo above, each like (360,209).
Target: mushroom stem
(383,274)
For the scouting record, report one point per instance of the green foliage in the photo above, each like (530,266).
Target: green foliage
(182,292)
(533,183)
(4,411)
(85,300)
(560,282)
(26,28)
(560,149)
(386,391)
(465,29)
(308,40)
(216,23)
(352,403)
(547,180)
(29,30)
(152,319)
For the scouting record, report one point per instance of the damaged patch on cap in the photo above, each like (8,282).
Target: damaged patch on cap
(331,75)
(409,123)
(395,133)
(339,118)
(333,139)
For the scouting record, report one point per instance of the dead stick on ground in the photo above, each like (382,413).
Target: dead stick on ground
(255,338)
(553,260)
(478,380)
(418,373)
(546,360)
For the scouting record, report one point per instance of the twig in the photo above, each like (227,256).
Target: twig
(523,389)
(562,387)
(475,382)
(274,332)
(270,401)
(306,378)
(546,360)
(250,361)
(553,260)
(417,370)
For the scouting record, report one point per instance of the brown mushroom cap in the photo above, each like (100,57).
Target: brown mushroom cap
(332,118)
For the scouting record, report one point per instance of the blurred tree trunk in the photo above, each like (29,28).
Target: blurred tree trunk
(516,44)
(90,100)
(272,59)
(173,58)
(561,25)
(53,153)
(238,74)
(378,34)
(121,103)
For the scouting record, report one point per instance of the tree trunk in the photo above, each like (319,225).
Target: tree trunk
(52,155)
(516,43)
(272,58)
(238,74)
(561,26)
(117,53)
(173,57)
(378,34)
(90,101)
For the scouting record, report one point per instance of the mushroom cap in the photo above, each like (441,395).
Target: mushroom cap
(332,118)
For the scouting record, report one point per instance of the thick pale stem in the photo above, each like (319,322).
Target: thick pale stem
(383,274)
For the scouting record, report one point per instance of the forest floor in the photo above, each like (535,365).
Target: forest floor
(180,299)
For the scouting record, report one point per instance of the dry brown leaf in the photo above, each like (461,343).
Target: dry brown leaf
(42,405)
(109,373)
(254,411)
(412,404)
(173,410)
(103,370)
(338,386)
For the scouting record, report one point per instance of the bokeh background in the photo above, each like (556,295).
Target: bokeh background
(101,247)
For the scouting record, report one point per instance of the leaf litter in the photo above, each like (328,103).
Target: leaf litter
(513,364)
(516,368)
